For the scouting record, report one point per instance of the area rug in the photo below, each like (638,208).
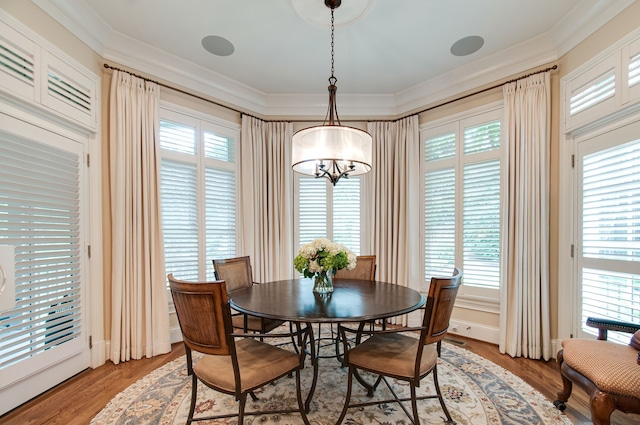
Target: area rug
(476,392)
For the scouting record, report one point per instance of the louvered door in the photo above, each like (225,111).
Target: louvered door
(43,336)
(608,218)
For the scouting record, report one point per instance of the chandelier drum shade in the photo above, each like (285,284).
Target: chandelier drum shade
(321,147)
(331,150)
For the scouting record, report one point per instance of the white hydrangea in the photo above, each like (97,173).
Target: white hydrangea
(314,267)
(307,259)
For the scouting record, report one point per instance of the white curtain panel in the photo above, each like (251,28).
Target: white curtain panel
(392,197)
(524,299)
(140,313)
(266,187)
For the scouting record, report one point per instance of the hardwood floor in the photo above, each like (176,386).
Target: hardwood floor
(77,400)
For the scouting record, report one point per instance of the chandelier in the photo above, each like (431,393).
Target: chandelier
(331,150)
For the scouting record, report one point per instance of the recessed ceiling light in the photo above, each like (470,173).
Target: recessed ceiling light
(219,46)
(467,45)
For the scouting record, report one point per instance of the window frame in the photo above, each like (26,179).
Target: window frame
(202,123)
(329,210)
(471,297)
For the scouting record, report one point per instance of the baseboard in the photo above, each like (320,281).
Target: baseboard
(98,353)
(475,331)
(175,335)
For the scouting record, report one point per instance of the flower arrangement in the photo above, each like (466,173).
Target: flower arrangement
(322,258)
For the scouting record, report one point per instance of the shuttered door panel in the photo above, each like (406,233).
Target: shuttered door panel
(41,217)
(609,246)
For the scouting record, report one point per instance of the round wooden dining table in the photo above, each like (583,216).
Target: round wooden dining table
(352,300)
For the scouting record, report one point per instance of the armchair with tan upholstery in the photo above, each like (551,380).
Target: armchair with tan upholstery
(609,372)
(228,362)
(402,354)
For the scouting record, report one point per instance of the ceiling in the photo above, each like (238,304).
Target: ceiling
(390,56)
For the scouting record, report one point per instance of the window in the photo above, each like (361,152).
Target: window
(198,190)
(610,228)
(329,211)
(462,201)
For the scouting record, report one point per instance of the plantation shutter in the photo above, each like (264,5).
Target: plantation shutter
(179,195)
(462,202)
(481,205)
(440,222)
(180,218)
(198,189)
(346,213)
(220,238)
(312,209)
(610,204)
(40,215)
(440,206)
(482,224)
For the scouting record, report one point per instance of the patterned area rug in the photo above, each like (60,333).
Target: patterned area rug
(476,392)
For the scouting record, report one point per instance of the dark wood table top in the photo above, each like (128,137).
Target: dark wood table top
(351,300)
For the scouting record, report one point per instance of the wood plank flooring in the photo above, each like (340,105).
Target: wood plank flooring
(77,400)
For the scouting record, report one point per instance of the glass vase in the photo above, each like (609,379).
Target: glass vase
(323,282)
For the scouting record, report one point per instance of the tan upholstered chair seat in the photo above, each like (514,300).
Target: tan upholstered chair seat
(622,374)
(393,354)
(259,364)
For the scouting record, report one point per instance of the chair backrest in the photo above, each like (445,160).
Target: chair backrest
(204,315)
(440,300)
(365,269)
(236,272)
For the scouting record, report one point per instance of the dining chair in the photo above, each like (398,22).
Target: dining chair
(237,273)
(231,363)
(365,269)
(608,371)
(395,354)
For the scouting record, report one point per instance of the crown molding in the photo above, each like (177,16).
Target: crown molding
(80,20)
(585,19)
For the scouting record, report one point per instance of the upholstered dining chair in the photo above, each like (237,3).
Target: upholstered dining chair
(398,355)
(231,363)
(609,372)
(237,274)
(365,269)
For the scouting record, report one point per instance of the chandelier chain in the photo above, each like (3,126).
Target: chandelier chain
(332,62)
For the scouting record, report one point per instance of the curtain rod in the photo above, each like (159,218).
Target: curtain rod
(540,71)
(181,91)
(397,119)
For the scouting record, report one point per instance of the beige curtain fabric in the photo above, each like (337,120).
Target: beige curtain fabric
(392,191)
(524,301)
(140,314)
(266,187)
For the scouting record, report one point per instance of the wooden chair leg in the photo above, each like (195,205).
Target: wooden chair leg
(601,406)
(567,386)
